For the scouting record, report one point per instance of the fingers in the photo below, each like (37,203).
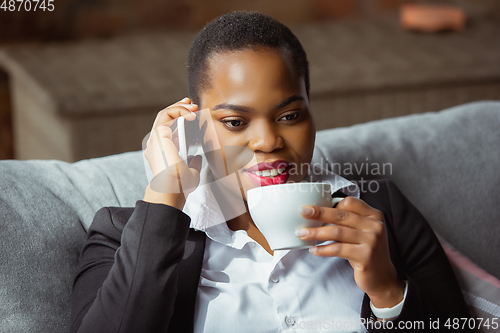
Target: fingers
(191,179)
(161,151)
(354,226)
(333,233)
(337,216)
(163,136)
(351,244)
(348,212)
(161,146)
(360,207)
(182,108)
(351,252)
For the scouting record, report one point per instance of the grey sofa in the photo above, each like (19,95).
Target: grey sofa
(447,163)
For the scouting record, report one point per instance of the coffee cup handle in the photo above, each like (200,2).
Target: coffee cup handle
(336,200)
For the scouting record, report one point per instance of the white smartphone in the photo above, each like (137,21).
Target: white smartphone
(181,134)
(188,133)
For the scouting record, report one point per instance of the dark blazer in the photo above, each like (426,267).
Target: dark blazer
(140,267)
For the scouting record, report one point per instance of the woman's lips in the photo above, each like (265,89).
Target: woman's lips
(280,168)
(278,164)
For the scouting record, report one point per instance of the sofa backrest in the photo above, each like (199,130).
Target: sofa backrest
(446,163)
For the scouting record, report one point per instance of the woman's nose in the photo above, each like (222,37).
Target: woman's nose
(265,138)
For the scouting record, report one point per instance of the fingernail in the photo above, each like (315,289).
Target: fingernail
(313,249)
(301,233)
(306,211)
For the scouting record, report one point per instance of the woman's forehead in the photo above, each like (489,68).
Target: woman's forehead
(252,73)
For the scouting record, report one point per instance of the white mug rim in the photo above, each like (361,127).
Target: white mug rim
(289,184)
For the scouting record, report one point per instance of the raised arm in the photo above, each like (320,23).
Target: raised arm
(127,276)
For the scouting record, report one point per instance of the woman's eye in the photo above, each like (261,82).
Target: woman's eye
(290,116)
(233,123)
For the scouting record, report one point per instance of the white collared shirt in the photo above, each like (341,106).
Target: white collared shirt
(245,289)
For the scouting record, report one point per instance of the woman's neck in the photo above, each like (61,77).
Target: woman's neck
(230,201)
(245,222)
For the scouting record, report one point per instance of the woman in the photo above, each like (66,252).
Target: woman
(144,269)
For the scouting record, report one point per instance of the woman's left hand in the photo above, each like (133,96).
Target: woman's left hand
(361,238)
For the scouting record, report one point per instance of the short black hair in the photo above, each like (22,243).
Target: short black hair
(236,31)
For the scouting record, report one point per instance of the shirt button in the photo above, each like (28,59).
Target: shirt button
(290,321)
(274,279)
(252,245)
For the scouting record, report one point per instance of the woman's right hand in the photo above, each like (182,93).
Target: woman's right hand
(173,179)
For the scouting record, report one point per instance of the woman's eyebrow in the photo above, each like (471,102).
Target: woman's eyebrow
(290,100)
(242,108)
(234,107)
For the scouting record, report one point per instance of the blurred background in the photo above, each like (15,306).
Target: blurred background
(87,78)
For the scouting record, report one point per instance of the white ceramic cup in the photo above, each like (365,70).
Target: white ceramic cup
(275,209)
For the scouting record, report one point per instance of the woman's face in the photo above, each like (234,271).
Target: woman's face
(258,101)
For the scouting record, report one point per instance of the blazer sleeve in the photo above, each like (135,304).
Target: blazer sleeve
(126,280)
(434,296)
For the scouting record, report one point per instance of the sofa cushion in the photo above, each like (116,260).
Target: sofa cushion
(446,163)
(480,289)
(44,207)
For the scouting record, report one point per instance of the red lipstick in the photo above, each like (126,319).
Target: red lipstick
(278,172)
(278,164)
